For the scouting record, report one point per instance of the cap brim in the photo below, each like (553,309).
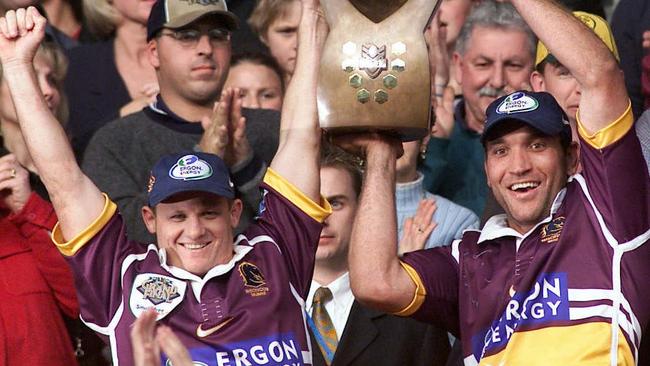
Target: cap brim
(541,127)
(220,193)
(229,19)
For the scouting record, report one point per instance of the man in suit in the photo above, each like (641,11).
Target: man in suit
(345,332)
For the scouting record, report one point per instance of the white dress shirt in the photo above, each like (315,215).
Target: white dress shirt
(339,307)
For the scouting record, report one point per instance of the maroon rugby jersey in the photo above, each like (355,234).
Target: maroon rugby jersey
(249,311)
(575,290)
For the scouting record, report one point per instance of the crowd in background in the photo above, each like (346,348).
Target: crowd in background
(97,74)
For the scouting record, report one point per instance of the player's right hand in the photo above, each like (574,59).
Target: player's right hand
(21,32)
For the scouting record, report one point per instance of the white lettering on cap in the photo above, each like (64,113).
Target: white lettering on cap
(190,167)
(517,103)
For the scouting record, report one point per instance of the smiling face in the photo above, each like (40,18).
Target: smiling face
(338,188)
(282,37)
(525,170)
(195,229)
(496,61)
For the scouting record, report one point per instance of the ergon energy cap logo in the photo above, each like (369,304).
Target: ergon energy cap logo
(190,167)
(517,103)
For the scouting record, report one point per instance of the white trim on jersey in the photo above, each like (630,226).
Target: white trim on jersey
(619,250)
(470,361)
(306,356)
(455,250)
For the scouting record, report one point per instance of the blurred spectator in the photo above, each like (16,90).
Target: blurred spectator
(65,15)
(630,20)
(111,78)
(259,80)
(494,55)
(36,285)
(276,23)
(451,219)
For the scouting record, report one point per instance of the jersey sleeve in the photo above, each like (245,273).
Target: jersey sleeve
(617,178)
(295,223)
(435,275)
(96,256)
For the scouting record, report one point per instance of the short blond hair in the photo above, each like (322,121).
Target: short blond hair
(101,17)
(265,13)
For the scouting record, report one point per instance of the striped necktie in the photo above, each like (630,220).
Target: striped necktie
(327,339)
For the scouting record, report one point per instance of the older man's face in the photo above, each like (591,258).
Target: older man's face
(496,61)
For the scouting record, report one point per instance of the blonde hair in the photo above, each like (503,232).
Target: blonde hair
(265,13)
(56,59)
(101,17)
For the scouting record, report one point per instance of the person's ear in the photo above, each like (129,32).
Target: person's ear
(149,218)
(537,81)
(573,158)
(152,48)
(236,209)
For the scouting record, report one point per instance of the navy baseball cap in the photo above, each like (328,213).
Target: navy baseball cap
(538,110)
(189,172)
(179,13)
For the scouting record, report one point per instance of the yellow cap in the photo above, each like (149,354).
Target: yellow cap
(595,23)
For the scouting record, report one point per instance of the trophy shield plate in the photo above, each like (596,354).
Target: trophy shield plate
(374,73)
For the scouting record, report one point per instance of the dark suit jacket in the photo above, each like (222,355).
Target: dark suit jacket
(372,338)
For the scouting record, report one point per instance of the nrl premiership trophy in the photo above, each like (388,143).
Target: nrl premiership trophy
(374,74)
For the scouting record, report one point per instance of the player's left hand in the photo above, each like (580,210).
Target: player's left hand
(148,341)
(14,183)
(418,228)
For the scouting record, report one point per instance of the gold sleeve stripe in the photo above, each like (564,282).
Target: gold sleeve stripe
(420,292)
(610,134)
(293,194)
(71,247)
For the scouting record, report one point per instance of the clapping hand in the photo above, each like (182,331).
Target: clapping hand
(225,130)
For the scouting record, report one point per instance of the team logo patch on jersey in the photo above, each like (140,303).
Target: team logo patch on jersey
(551,232)
(156,291)
(253,279)
(517,103)
(190,167)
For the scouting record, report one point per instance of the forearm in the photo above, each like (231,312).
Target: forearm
(376,275)
(51,152)
(299,130)
(591,63)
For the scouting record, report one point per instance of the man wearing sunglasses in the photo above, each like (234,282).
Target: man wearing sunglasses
(189,47)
